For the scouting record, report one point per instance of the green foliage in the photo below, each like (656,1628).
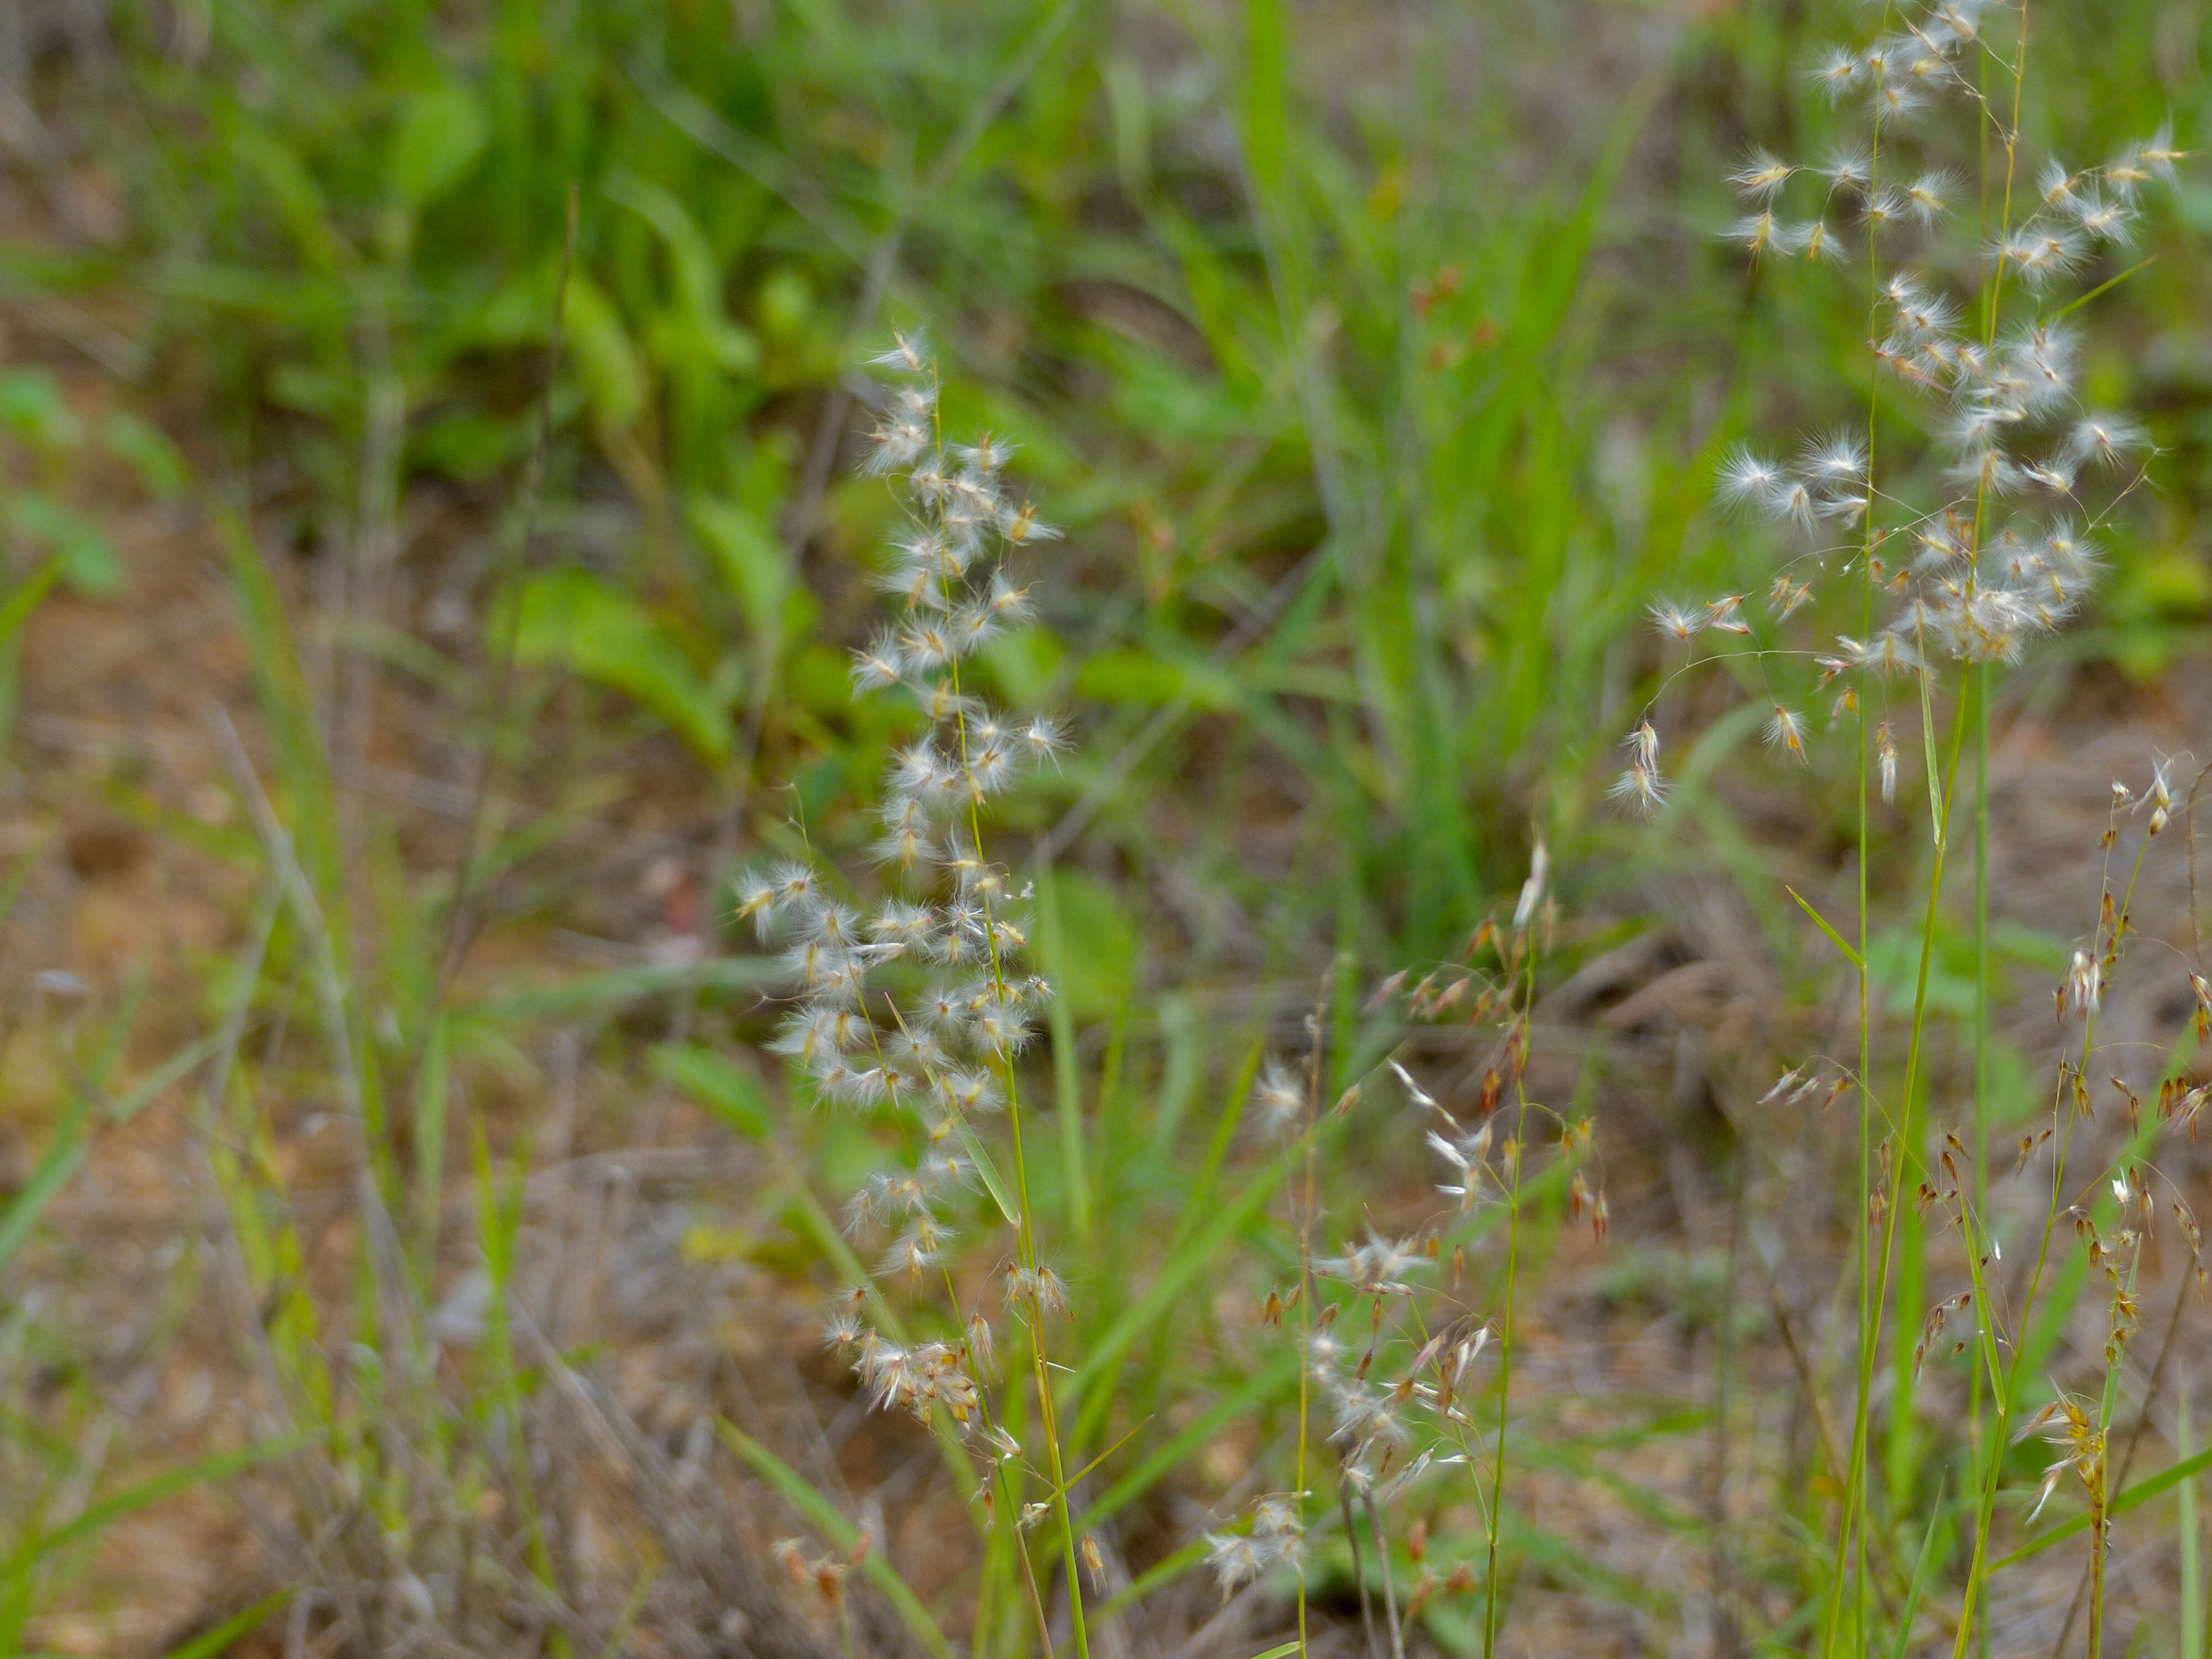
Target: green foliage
(1372,425)
(575,620)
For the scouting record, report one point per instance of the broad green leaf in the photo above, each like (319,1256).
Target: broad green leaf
(1131,675)
(1096,948)
(573,619)
(696,278)
(88,560)
(754,563)
(720,1084)
(606,360)
(147,451)
(441,131)
(31,406)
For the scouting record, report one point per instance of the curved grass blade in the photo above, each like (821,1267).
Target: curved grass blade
(1821,922)
(2135,1496)
(147,1494)
(209,1644)
(826,1517)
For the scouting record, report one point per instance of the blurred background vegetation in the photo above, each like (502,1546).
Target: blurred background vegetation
(1373,358)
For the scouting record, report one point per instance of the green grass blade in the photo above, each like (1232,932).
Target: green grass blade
(1928,751)
(431,1099)
(1175,1277)
(825,1518)
(147,1494)
(2134,1497)
(171,1070)
(1919,1580)
(208,1644)
(1821,922)
(63,1159)
(2190,1543)
(16,609)
(1153,1578)
(986,1171)
(2109,283)
(1067,1080)
(1232,1406)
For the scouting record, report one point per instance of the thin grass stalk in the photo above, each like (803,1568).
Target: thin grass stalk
(1973,593)
(1359,1572)
(2007,1393)
(1526,941)
(1390,1581)
(1003,1478)
(1977,1445)
(1307,1294)
(1025,1231)
(1025,1236)
(459,935)
(1862,1227)
(2117,1481)
(1894,1200)
(2190,1528)
(1993,299)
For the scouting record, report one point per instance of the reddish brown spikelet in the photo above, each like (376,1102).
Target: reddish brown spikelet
(1517,1047)
(1388,988)
(2134,1106)
(1425,1591)
(1094,1562)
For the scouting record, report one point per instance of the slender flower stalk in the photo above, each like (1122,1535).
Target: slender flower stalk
(1962,555)
(918,1007)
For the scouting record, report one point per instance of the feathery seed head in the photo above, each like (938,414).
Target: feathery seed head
(1786,731)
(1928,197)
(1280,1095)
(2103,440)
(1671,618)
(1840,72)
(1747,478)
(909,354)
(1760,176)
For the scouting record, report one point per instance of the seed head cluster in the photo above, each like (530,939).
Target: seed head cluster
(919,1005)
(1396,1325)
(1988,539)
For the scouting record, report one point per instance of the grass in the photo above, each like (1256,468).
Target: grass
(432,547)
